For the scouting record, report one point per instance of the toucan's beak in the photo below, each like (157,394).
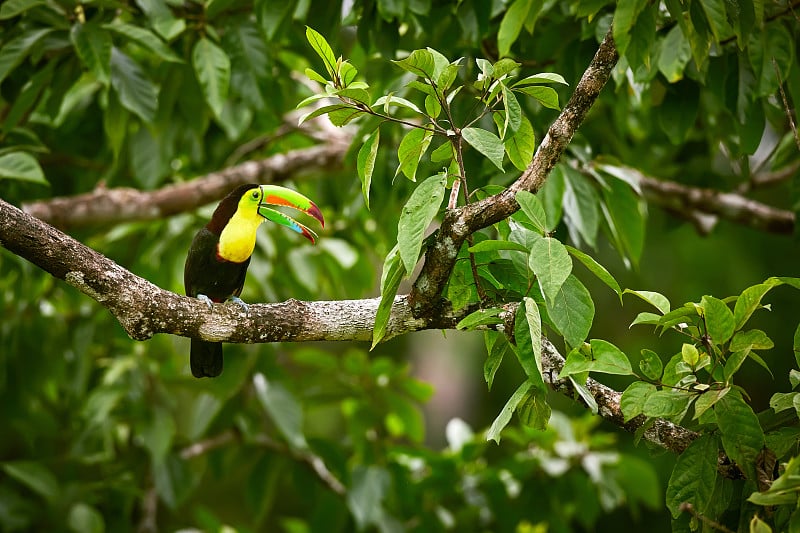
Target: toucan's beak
(276,195)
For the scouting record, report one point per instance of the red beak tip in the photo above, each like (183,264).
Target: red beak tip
(316,213)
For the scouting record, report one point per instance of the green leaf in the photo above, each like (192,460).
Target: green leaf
(493,246)
(497,347)
(551,263)
(392,275)
(145,38)
(717,19)
(14,51)
(675,54)
(533,409)
(528,338)
(749,301)
(416,216)
(93,45)
(486,143)
(511,25)
(21,166)
(313,75)
(753,339)
(547,96)
(323,111)
(12,8)
(596,268)
(521,145)
(718,318)
(212,66)
(323,50)
(36,476)
(670,404)
(651,365)
(157,434)
(572,311)
(534,321)
(83,518)
(581,202)
(707,400)
(135,90)
(390,99)
(504,417)
(655,299)
(605,358)
(625,16)
(365,164)
(283,408)
(420,63)
(481,317)
(796,345)
(742,436)
(533,209)
(411,149)
(733,362)
(634,397)
(694,476)
(368,488)
(513,112)
(624,219)
(542,77)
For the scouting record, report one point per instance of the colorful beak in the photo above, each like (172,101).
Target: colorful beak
(276,195)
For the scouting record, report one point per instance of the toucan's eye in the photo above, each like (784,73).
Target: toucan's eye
(255,195)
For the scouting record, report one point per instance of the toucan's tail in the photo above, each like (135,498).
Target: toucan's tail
(206,359)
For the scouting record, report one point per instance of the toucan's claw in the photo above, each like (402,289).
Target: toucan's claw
(238,301)
(206,299)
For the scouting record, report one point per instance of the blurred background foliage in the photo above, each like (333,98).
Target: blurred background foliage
(104,433)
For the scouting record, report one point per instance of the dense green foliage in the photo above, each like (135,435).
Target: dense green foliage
(104,433)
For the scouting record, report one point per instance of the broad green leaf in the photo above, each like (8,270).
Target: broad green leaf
(667,403)
(690,354)
(504,417)
(503,67)
(323,50)
(749,301)
(651,365)
(718,318)
(753,339)
(14,51)
(416,216)
(157,434)
(521,145)
(368,488)
(146,38)
(581,211)
(35,476)
(135,90)
(796,345)
(547,96)
(21,166)
(625,16)
(358,95)
(572,311)
(411,149)
(716,17)
(493,246)
(444,152)
(528,349)
(707,400)
(420,63)
(28,97)
(742,436)
(551,263)
(324,110)
(83,518)
(486,143)
(513,112)
(390,100)
(694,476)
(772,43)
(646,318)
(497,347)
(675,55)
(655,299)
(596,268)
(313,75)
(624,218)
(542,77)
(511,25)
(534,321)
(552,196)
(12,8)
(392,275)
(212,66)
(481,317)
(283,408)
(633,399)
(365,163)
(605,358)
(533,409)
(533,209)
(93,45)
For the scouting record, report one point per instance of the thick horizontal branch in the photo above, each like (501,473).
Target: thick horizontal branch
(103,207)
(145,309)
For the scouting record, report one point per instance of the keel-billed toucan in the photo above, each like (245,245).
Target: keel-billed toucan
(220,253)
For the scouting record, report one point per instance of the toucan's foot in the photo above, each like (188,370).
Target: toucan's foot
(206,299)
(238,301)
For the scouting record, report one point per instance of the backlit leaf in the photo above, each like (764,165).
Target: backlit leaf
(551,263)
(365,163)
(21,166)
(718,318)
(411,149)
(416,216)
(486,143)
(572,311)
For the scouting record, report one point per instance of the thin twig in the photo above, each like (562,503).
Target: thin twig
(786,103)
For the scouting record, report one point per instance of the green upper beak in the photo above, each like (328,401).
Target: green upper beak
(276,195)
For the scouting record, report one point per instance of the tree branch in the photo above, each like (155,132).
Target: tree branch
(113,206)
(459,223)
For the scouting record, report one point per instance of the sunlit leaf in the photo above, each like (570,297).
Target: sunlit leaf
(365,164)
(486,143)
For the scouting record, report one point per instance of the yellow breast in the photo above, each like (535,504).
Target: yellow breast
(238,238)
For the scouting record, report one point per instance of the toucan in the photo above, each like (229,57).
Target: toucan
(220,254)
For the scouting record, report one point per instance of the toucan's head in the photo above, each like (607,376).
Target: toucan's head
(251,201)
